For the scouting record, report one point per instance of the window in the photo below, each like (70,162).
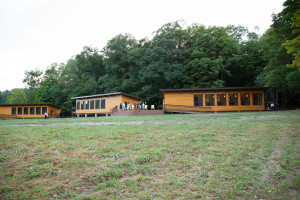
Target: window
(32,110)
(102,103)
(257,99)
(25,110)
(13,111)
(87,105)
(209,100)
(38,110)
(198,100)
(245,99)
(233,99)
(92,102)
(44,109)
(97,104)
(221,99)
(82,105)
(20,111)
(78,105)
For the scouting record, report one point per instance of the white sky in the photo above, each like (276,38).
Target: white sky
(36,33)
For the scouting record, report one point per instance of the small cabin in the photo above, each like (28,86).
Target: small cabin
(102,103)
(213,99)
(29,110)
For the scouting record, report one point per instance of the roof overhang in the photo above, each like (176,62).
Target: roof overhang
(212,89)
(31,104)
(105,95)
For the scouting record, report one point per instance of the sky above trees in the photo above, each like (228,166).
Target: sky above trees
(36,33)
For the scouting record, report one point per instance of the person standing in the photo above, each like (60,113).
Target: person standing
(46,115)
(268,106)
(272,106)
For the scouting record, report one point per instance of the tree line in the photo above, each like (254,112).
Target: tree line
(195,56)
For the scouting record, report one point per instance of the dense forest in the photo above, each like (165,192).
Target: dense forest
(177,57)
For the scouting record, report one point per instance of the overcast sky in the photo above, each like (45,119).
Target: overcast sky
(36,33)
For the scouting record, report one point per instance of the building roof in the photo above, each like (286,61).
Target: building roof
(105,95)
(30,104)
(212,89)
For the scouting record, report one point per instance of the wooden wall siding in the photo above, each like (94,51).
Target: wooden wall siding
(54,110)
(131,100)
(7,111)
(110,102)
(187,99)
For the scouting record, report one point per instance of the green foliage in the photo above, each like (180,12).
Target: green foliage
(284,81)
(162,66)
(33,78)
(16,96)
(120,58)
(3,96)
(293,46)
(210,51)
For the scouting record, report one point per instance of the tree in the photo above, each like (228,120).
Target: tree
(3,96)
(162,66)
(120,60)
(16,96)
(284,81)
(238,32)
(293,46)
(212,51)
(79,76)
(33,78)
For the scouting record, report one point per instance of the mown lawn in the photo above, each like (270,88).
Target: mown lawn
(217,156)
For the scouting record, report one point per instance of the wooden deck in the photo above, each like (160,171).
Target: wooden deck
(185,109)
(4,116)
(136,113)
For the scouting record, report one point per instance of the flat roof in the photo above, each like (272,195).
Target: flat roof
(30,104)
(212,89)
(105,95)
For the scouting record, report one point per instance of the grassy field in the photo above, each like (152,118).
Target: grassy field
(248,155)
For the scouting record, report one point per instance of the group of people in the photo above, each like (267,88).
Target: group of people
(270,106)
(135,106)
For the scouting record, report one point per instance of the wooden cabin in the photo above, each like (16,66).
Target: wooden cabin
(102,103)
(213,99)
(28,110)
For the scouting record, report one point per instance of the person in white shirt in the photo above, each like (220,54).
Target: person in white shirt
(272,106)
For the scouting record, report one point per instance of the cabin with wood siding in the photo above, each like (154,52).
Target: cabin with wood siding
(213,99)
(102,103)
(29,110)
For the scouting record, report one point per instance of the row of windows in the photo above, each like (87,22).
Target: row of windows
(28,110)
(92,104)
(233,99)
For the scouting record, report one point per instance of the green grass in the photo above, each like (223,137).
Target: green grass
(245,155)
(143,118)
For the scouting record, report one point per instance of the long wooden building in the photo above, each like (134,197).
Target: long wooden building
(102,103)
(28,110)
(213,99)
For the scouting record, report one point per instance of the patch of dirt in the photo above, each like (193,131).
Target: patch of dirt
(273,164)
